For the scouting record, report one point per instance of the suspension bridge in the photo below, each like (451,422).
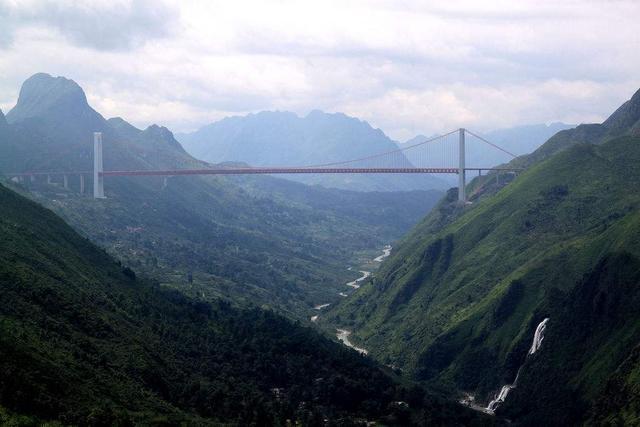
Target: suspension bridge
(443,154)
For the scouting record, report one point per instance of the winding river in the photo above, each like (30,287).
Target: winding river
(343,334)
(354,284)
(386,251)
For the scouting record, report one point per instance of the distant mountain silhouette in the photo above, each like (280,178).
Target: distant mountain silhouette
(43,95)
(53,127)
(283,138)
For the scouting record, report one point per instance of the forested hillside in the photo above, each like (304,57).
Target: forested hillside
(459,300)
(84,341)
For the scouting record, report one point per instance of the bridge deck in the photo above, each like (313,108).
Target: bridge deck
(281,170)
(263,171)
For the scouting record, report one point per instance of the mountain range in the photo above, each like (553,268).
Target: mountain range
(179,319)
(520,304)
(284,139)
(254,240)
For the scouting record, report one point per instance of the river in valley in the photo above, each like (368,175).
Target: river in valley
(343,334)
(355,284)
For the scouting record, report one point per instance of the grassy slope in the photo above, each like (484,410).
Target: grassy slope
(461,304)
(83,341)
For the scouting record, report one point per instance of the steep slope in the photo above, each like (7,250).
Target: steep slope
(519,140)
(4,125)
(618,404)
(624,121)
(83,341)
(257,240)
(590,340)
(458,304)
(284,139)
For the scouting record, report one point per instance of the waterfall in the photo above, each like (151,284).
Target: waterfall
(500,397)
(538,336)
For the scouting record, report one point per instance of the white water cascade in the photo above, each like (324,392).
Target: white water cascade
(538,336)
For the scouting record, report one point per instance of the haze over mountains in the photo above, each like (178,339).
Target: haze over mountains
(186,287)
(285,139)
(282,138)
(71,310)
(256,240)
(624,121)
(455,308)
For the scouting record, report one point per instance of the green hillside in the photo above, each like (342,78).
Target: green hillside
(458,302)
(84,341)
(266,242)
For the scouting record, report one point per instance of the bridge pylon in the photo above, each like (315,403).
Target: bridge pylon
(98,178)
(462,196)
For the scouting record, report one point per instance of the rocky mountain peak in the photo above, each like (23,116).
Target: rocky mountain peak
(42,94)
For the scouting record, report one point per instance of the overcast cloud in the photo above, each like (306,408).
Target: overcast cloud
(407,67)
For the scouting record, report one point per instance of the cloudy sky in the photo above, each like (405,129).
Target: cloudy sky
(405,66)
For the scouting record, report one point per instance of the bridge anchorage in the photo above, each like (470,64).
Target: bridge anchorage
(443,154)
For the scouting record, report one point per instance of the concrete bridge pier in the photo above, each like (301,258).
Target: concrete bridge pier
(65,181)
(462,197)
(81,184)
(98,179)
